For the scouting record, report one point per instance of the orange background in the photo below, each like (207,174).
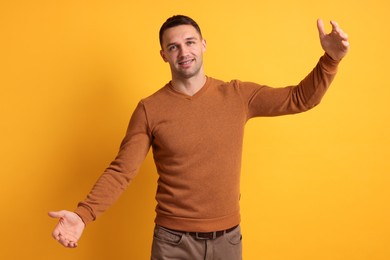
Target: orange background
(314,185)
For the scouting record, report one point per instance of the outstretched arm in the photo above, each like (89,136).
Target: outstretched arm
(268,101)
(335,44)
(69,228)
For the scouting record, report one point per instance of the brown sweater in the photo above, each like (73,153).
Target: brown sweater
(197,145)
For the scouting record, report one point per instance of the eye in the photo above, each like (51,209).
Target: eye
(172,47)
(190,43)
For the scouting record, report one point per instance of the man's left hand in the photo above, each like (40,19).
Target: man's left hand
(335,44)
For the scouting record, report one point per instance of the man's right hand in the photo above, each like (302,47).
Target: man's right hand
(69,228)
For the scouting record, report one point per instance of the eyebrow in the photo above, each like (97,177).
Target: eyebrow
(191,38)
(186,39)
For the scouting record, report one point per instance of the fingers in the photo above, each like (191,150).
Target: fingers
(335,25)
(63,239)
(345,44)
(336,29)
(66,242)
(56,233)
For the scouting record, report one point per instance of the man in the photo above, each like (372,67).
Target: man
(195,126)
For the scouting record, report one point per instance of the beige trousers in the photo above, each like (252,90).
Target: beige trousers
(173,245)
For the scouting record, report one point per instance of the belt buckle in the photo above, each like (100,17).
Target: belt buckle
(207,236)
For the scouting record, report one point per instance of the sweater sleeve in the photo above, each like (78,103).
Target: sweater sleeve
(266,101)
(121,171)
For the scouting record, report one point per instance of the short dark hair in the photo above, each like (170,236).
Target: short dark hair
(177,20)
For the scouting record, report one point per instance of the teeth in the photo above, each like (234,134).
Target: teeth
(185,62)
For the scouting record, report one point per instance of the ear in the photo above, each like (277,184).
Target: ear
(204,45)
(163,55)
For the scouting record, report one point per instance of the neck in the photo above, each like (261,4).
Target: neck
(189,86)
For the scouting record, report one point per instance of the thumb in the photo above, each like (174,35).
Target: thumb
(56,214)
(321,28)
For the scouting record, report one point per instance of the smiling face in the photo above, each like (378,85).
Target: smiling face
(183,48)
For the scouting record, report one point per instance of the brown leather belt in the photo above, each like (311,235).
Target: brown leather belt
(210,235)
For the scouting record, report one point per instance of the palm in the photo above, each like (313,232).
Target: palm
(69,228)
(335,44)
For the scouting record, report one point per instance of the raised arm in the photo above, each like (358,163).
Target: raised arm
(335,44)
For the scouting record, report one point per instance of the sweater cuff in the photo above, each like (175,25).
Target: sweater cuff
(329,64)
(84,214)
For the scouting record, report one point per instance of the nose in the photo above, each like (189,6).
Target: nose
(183,50)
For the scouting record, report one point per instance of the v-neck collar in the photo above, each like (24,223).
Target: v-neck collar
(186,96)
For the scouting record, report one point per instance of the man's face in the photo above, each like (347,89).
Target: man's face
(183,48)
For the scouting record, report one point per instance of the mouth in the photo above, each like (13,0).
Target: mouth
(186,62)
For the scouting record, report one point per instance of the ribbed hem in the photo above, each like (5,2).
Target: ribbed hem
(198,225)
(84,214)
(329,64)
